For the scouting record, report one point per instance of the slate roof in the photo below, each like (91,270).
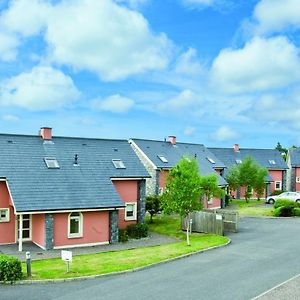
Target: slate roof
(261,156)
(34,187)
(294,157)
(173,153)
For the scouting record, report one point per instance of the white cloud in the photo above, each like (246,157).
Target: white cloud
(201,4)
(114,103)
(185,100)
(25,17)
(8,45)
(105,38)
(225,133)
(43,88)
(133,3)
(262,64)
(187,63)
(189,131)
(10,118)
(276,15)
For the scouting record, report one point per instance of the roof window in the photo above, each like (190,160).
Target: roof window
(162,158)
(238,161)
(272,162)
(118,163)
(210,160)
(51,163)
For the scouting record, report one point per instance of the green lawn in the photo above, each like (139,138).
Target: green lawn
(103,263)
(252,208)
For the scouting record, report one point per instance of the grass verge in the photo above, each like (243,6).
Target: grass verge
(108,262)
(252,208)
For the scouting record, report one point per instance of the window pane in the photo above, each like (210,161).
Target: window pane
(74,226)
(129,210)
(3,214)
(26,224)
(26,233)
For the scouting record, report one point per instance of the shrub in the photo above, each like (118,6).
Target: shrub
(10,269)
(137,231)
(297,211)
(285,203)
(284,211)
(123,235)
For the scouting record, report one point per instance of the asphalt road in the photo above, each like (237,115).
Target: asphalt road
(262,255)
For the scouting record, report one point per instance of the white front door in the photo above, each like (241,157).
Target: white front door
(26,235)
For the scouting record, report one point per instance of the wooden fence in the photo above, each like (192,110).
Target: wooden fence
(213,221)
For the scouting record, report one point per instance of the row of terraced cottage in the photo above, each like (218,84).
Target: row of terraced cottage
(63,192)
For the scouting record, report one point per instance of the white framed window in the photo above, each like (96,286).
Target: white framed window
(210,200)
(4,215)
(130,211)
(298,179)
(162,158)
(75,225)
(238,161)
(272,162)
(210,160)
(278,185)
(119,164)
(51,163)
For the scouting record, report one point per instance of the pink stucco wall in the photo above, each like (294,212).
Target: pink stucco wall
(277,175)
(128,191)
(95,229)
(216,203)
(163,176)
(38,229)
(297,174)
(7,229)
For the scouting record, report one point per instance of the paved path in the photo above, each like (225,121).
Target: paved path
(262,255)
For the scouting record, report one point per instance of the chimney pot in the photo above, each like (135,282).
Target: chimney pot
(172,139)
(236,147)
(46,133)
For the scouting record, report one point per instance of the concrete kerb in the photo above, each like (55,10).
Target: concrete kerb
(23,282)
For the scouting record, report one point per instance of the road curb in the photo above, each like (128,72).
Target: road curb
(25,282)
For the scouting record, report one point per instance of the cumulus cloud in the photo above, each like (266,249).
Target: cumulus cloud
(43,88)
(224,133)
(133,3)
(276,15)
(114,103)
(8,45)
(262,64)
(110,40)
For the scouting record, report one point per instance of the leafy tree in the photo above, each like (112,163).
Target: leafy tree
(153,205)
(233,178)
(247,175)
(182,191)
(260,181)
(282,150)
(209,186)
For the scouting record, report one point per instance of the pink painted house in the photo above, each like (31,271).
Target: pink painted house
(159,157)
(62,192)
(271,159)
(293,174)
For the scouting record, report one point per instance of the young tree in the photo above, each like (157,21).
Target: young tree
(260,181)
(247,175)
(233,178)
(209,186)
(182,193)
(282,150)
(153,205)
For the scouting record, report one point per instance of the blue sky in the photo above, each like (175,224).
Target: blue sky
(216,72)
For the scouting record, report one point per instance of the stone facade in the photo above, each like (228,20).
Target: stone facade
(113,226)
(49,231)
(142,202)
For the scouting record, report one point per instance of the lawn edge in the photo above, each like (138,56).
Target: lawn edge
(61,280)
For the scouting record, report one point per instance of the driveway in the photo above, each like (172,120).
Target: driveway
(262,255)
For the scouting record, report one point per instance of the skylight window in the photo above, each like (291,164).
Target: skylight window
(118,163)
(210,160)
(238,161)
(51,163)
(162,158)
(272,162)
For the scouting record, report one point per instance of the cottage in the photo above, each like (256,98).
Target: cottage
(269,158)
(160,156)
(63,192)
(293,173)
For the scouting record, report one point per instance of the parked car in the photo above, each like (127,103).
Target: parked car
(293,196)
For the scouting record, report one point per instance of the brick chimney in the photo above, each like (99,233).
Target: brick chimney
(172,139)
(46,133)
(236,147)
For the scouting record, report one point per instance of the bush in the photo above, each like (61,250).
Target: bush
(283,211)
(297,211)
(10,269)
(285,203)
(123,235)
(137,231)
